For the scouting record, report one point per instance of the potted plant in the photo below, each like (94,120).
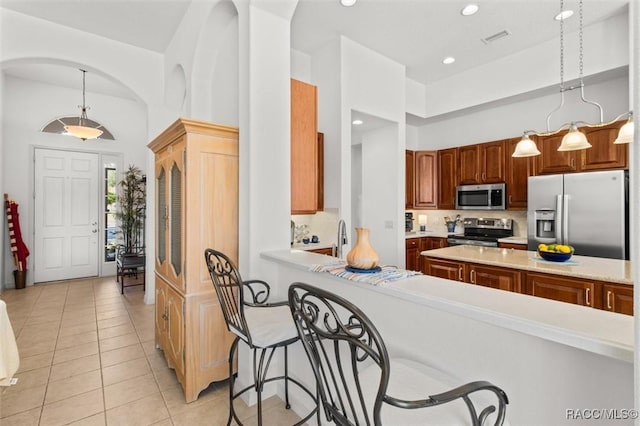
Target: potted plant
(130,210)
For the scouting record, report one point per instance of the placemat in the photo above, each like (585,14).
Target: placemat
(387,273)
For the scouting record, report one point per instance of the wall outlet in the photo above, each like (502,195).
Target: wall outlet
(388,224)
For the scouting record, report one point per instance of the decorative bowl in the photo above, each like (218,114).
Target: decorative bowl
(555,257)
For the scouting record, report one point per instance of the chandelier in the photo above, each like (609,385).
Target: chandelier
(574,139)
(82,130)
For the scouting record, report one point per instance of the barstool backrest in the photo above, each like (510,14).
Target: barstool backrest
(340,340)
(229,288)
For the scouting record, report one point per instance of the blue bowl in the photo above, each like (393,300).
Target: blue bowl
(555,257)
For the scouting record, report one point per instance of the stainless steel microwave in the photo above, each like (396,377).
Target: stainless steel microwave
(481,197)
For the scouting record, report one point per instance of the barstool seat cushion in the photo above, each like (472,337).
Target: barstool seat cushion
(270,325)
(410,380)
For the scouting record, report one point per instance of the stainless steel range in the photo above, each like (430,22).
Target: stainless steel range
(482,232)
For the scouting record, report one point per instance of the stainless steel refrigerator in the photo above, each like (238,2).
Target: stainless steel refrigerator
(589,211)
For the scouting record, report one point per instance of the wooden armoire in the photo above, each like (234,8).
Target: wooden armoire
(196,207)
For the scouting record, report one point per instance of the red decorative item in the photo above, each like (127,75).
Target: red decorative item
(19,250)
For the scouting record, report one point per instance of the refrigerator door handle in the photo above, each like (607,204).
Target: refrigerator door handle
(565,219)
(559,218)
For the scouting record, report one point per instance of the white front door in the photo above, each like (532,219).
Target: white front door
(66,215)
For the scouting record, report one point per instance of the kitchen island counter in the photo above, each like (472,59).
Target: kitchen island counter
(518,342)
(592,268)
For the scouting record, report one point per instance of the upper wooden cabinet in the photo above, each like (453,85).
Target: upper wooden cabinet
(408,179)
(447,178)
(426,180)
(304,148)
(603,154)
(482,163)
(517,172)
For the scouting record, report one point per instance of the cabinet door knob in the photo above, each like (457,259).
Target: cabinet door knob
(473,276)
(460,273)
(588,296)
(609,306)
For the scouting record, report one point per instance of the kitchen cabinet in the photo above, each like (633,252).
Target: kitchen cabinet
(495,277)
(512,246)
(425,180)
(435,243)
(304,149)
(552,161)
(618,298)
(170,325)
(517,172)
(326,251)
(604,154)
(408,179)
(447,269)
(320,180)
(412,254)
(481,163)
(447,178)
(196,165)
(564,289)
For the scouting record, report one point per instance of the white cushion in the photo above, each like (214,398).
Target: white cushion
(413,381)
(269,326)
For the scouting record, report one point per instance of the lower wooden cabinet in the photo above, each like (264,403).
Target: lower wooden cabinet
(412,254)
(414,246)
(513,246)
(564,289)
(170,326)
(617,298)
(596,294)
(495,277)
(327,251)
(445,269)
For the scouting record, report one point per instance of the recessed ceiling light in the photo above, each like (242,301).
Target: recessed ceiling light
(357,122)
(563,15)
(448,60)
(469,9)
(348,3)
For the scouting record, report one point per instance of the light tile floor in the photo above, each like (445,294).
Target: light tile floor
(88,357)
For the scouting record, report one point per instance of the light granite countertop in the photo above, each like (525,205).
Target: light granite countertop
(428,233)
(594,268)
(311,246)
(514,240)
(592,330)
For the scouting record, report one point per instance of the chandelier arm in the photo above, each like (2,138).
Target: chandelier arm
(556,109)
(585,100)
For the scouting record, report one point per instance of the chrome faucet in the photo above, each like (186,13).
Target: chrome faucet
(341,240)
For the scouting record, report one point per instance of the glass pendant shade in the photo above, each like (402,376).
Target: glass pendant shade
(625,135)
(83,132)
(526,148)
(574,140)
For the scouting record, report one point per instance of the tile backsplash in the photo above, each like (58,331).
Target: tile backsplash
(323,224)
(435,219)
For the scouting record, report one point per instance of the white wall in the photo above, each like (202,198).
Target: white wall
(28,106)
(380,185)
(495,122)
(375,85)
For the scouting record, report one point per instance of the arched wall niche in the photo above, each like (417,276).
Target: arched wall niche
(214,81)
(176,88)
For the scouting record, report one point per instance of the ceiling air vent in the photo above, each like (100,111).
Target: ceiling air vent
(495,37)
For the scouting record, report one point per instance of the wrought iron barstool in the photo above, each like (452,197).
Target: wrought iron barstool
(359,384)
(263,326)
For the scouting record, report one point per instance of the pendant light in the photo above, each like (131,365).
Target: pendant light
(82,130)
(574,139)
